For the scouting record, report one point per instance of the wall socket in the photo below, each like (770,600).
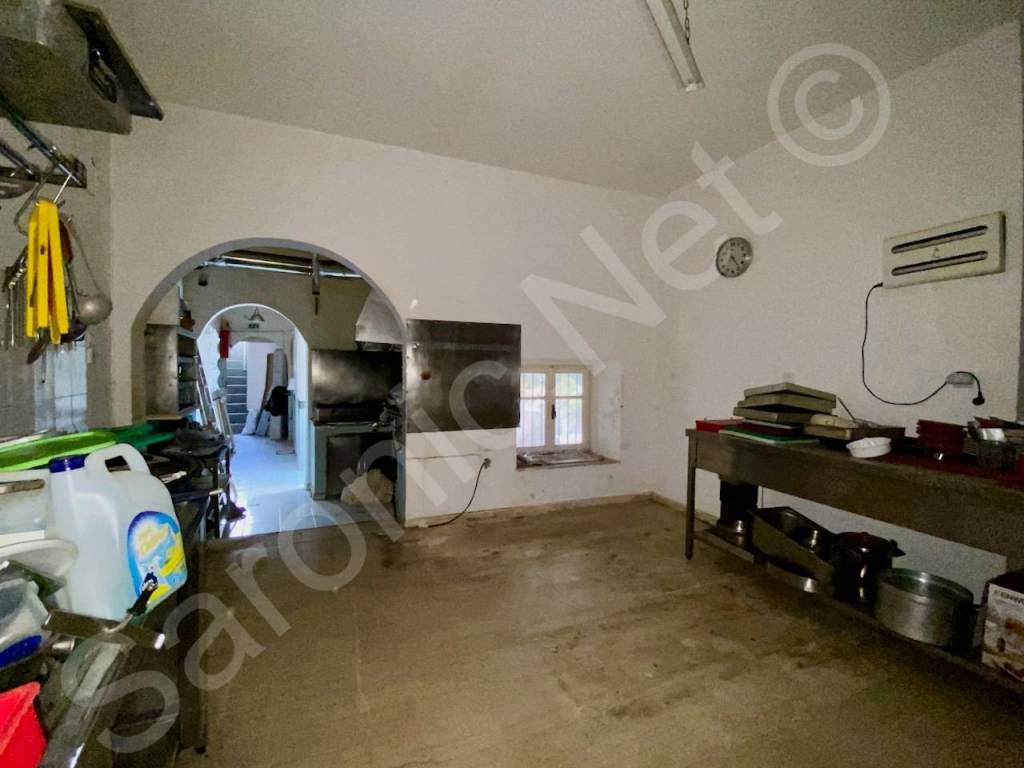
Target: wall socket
(960,379)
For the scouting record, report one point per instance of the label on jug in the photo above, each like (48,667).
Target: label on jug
(156,553)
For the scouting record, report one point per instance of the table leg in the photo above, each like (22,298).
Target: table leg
(691,495)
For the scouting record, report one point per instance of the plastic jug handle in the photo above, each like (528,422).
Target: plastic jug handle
(97,461)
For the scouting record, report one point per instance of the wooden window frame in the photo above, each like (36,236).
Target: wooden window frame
(549,401)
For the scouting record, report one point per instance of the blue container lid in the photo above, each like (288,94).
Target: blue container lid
(66,463)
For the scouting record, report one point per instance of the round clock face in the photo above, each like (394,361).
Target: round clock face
(734,257)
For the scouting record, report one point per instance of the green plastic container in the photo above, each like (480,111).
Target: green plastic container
(141,436)
(38,453)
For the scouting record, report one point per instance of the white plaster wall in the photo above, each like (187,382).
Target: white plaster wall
(952,150)
(452,240)
(290,295)
(442,238)
(168,311)
(208,343)
(256,370)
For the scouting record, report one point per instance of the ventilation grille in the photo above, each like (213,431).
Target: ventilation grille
(963,249)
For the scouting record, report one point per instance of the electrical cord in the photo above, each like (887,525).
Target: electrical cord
(978,400)
(483,465)
(846,408)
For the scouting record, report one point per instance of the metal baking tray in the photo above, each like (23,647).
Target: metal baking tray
(848,434)
(788,538)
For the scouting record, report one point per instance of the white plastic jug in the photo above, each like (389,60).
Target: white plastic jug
(124,525)
(23,513)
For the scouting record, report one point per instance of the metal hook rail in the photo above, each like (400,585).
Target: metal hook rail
(67,170)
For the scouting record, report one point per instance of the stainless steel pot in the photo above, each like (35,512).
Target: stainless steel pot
(925,607)
(858,557)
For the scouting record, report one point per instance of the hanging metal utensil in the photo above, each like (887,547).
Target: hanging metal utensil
(316,284)
(38,347)
(13,312)
(76,326)
(93,306)
(6,342)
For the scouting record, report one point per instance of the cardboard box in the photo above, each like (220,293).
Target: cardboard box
(1003,643)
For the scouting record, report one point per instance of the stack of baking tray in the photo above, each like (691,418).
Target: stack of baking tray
(776,414)
(784,403)
(791,410)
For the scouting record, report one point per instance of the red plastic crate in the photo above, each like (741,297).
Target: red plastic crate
(22,743)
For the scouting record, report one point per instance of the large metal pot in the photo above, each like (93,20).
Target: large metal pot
(924,607)
(858,557)
(738,502)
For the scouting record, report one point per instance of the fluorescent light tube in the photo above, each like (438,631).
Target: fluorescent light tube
(673,37)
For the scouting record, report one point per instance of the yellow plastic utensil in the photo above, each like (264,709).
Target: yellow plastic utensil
(60,295)
(42,271)
(46,304)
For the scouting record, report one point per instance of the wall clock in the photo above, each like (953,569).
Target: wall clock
(734,257)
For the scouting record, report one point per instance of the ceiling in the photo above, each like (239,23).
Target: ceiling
(575,89)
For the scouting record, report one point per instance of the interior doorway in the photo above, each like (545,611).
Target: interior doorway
(255,361)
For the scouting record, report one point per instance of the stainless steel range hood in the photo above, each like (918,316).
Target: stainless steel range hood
(60,63)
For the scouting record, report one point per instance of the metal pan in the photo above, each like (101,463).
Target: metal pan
(787,537)
(925,607)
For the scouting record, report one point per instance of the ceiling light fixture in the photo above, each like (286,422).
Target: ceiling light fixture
(675,36)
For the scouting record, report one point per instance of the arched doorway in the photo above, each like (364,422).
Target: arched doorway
(213,285)
(246,352)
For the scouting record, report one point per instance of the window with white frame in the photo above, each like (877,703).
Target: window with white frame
(554,405)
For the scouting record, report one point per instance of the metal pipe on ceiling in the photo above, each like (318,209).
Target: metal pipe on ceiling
(272,262)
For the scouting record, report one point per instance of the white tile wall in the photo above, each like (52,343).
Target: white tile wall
(51,394)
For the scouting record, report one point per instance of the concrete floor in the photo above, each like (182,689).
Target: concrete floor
(576,638)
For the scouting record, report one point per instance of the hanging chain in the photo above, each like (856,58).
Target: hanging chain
(686,19)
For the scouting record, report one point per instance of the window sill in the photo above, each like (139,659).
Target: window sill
(558,460)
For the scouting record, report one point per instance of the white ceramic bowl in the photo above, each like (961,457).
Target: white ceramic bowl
(870,447)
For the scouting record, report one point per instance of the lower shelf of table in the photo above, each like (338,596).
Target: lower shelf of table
(712,538)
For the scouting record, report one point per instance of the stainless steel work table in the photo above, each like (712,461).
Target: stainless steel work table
(975,511)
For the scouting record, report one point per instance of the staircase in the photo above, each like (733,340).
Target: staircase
(236,390)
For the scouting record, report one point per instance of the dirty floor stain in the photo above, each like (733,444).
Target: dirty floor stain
(573,638)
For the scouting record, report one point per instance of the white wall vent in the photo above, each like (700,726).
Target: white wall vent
(970,247)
